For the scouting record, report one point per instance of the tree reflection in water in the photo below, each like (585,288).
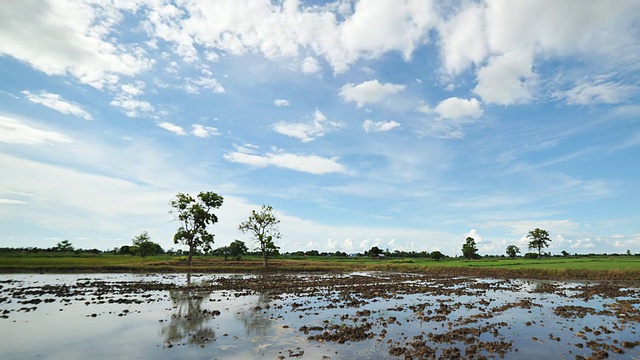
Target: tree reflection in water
(189,319)
(258,320)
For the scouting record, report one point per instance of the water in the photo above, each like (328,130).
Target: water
(364,315)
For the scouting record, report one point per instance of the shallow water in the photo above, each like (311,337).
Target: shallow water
(363,315)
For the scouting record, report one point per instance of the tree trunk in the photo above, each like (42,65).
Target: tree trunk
(265,258)
(190,256)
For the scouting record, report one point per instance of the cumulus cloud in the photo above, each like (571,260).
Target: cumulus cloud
(473,233)
(371,91)
(178,130)
(504,39)
(14,131)
(307,132)
(311,164)
(337,33)
(310,65)
(455,108)
(202,131)
(506,80)
(57,103)
(379,126)
(281,103)
(462,40)
(69,38)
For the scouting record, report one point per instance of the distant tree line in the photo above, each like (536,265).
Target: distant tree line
(262,225)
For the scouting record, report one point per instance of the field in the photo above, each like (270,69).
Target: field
(586,267)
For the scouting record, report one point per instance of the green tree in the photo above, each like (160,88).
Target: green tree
(375,252)
(64,246)
(539,239)
(436,255)
(222,251)
(263,226)
(237,249)
(469,249)
(195,215)
(143,246)
(513,251)
(125,250)
(564,253)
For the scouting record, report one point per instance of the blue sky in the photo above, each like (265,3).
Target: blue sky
(407,125)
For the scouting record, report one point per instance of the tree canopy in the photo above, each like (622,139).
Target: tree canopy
(195,214)
(469,249)
(263,226)
(64,246)
(143,246)
(513,251)
(539,239)
(375,252)
(235,250)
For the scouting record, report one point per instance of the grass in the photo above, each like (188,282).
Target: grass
(596,267)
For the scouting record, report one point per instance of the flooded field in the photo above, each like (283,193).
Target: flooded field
(349,316)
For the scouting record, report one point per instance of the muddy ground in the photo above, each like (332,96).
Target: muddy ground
(410,316)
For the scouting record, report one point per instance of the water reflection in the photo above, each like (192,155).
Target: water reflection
(188,321)
(257,320)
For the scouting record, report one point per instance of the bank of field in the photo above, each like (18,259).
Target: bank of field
(587,267)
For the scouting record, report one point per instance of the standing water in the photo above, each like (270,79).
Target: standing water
(360,315)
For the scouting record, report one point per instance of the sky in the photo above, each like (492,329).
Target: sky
(404,124)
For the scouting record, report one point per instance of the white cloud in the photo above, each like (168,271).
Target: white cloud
(505,38)
(14,131)
(127,100)
(207,81)
(133,107)
(280,30)
(463,39)
(60,38)
(203,131)
(310,65)
(11,202)
(371,91)
(456,108)
(57,103)
(307,132)
(172,127)
(473,233)
(133,89)
(379,126)
(506,80)
(311,164)
(281,102)
(598,91)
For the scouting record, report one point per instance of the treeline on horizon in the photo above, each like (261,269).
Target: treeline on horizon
(127,250)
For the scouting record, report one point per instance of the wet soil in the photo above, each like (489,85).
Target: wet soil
(409,316)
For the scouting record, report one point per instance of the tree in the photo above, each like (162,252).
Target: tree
(263,226)
(237,248)
(143,246)
(564,253)
(375,252)
(469,249)
(436,255)
(64,246)
(195,215)
(513,251)
(125,250)
(539,239)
